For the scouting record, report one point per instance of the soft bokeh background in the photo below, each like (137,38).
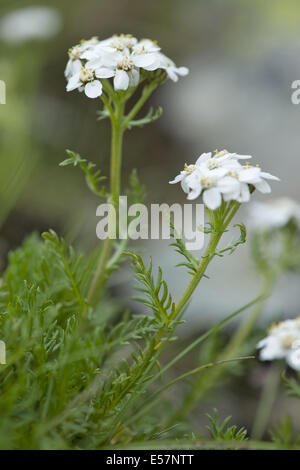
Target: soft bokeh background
(243,58)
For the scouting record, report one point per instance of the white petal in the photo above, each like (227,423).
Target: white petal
(134,77)
(249,175)
(263,186)
(74,82)
(245,193)
(203,158)
(121,80)
(212,198)
(183,71)
(177,179)
(218,172)
(172,74)
(143,60)
(93,89)
(240,157)
(193,179)
(271,349)
(228,184)
(73,67)
(103,72)
(269,176)
(90,54)
(293,359)
(185,186)
(194,193)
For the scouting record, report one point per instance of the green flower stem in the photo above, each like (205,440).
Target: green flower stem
(266,403)
(115,184)
(157,344)
(119,124)
(146,93)
(116,156)
(207,257)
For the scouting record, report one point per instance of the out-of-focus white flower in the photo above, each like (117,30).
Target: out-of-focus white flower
(121,58)
(274,214)
(2,353)
(35,22)
(282,342)
(221,176)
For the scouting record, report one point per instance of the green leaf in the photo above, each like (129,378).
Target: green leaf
(222,431)
(157,296)
(151,116)
(92,176)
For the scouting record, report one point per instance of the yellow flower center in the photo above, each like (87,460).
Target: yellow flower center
(189,168)
(74,53)
(221,153)
(207,182)
(86,75)
(125,64)
(213,163)
(287,341)
(123,41)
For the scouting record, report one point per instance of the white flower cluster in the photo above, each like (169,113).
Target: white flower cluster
(119,57)
(274,214)
(282,342)
(222,176)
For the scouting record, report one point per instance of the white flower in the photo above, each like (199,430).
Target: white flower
(34,22)
(75,54)
(145,46)
(172,70)
(221,176)
(120,43)
(120,65)
(256,177)
(119,57)
(2,353)
(84,79)
(282,342)
(274,214)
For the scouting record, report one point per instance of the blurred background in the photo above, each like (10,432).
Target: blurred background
(243,58)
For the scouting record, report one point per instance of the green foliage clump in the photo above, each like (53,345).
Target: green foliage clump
(68,365)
